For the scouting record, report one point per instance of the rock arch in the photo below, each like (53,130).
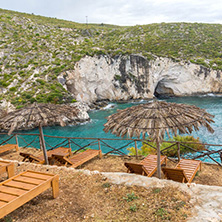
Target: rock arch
(163,89)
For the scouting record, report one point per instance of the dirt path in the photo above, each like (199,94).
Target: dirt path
(208,203)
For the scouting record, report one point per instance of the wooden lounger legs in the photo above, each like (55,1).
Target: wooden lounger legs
(100,154)
(55,186)
(9,169)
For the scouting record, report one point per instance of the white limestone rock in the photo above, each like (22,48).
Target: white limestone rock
(135,77)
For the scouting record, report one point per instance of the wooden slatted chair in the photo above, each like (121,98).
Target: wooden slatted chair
(7,167)
(23,187)
(147,167)
(77,159)
(40,159)
(31,158)
(7,147)
(184,171)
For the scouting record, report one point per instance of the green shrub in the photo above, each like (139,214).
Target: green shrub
(133,208)
(19,107)
(4,84)
(41,81)
(73,101)
(106,185)
(130,197)
(54,97)
(146,149)
(13,89)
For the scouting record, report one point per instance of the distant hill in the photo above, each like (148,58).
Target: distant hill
(36,49)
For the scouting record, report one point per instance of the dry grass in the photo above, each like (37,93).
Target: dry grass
(209,175)
(93,198)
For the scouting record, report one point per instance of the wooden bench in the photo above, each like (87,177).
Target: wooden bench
(7,147)
(147,167)
(23,187)
(7,167)
(184,171)
(77,159)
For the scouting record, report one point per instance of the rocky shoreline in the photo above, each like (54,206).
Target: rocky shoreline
(84,108)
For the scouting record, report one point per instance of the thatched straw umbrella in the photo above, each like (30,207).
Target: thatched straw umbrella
(157,118)
(38,115)
(2,113)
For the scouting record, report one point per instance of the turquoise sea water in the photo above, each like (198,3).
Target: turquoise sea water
(94,128)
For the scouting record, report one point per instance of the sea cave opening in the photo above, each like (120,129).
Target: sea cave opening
(162,90)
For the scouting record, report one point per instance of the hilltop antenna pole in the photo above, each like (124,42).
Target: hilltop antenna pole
(87,20)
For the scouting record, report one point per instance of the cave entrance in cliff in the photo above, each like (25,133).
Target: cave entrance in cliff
(162,90)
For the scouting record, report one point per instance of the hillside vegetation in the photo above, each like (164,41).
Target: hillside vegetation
(35,50)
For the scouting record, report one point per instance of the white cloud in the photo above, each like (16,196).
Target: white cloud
(122,12)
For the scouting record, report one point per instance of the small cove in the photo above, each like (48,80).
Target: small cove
(94,128)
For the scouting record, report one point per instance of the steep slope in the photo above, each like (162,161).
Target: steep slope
(35,50)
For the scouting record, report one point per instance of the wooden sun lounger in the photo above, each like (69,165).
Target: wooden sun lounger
(147,167)
(77,159)
(60,150)
(23,187)
(7,167)
(40,159)
(7,147)
(31,158)
(184,171)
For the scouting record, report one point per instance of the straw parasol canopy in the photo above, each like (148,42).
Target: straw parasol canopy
(38,115)
(157,118)
(2,113)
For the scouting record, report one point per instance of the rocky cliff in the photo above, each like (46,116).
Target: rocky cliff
(135,77)
(96,62)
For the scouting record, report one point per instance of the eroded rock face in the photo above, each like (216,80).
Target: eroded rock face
(83,115)
(135,77)
(6,106)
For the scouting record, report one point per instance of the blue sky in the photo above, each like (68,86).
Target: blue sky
(122,12)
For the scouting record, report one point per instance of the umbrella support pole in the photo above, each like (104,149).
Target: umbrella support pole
(43,145)
(16,139)
(158,161)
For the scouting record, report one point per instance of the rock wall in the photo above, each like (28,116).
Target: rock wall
(135,77)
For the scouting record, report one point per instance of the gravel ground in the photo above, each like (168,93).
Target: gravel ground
(205,193)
